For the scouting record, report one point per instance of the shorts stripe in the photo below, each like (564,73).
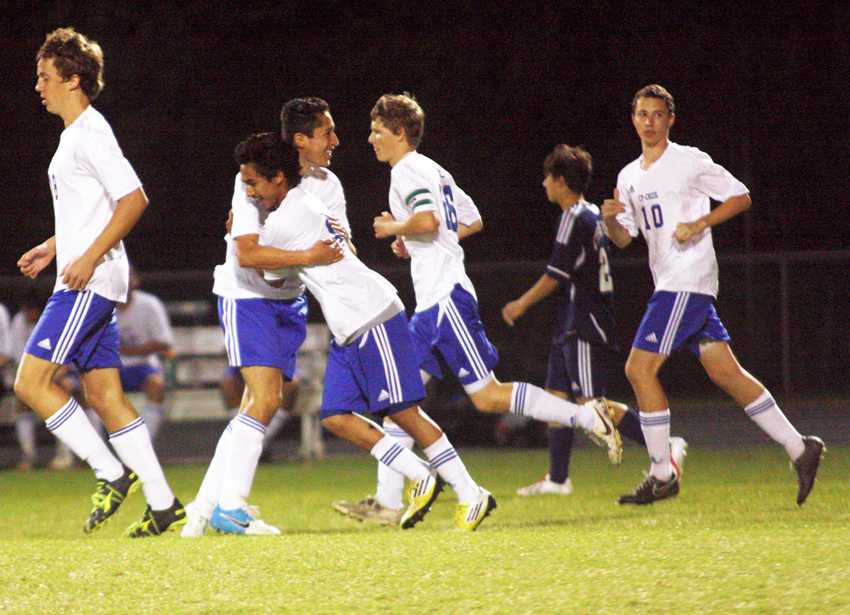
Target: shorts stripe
(679,305)
(388,361)
(231,332)
(585,368)
(127,428)
(72,327)
(59,419)
(465,340)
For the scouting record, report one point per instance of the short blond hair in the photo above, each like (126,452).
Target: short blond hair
(397,111)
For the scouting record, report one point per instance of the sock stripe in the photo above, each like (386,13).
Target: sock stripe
(127,428)
(445,456)
(57,420)
(654,419)
(396,433)
(394,451)
(252,423)
(764,406)
(519,393)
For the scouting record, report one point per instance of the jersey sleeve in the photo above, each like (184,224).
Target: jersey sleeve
(413,192)
(568,248)
(626,218)
(160,324)
(100,154)
(246,215)
(467,211)
(713,180)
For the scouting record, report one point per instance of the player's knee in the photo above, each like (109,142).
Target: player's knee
(487,400)
(104,399)
(29,383)
(638,372)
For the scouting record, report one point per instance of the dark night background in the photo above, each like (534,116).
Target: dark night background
(763,92)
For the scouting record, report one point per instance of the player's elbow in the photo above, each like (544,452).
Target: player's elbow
(745,202)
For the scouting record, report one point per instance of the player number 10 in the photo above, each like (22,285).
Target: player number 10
(657,217)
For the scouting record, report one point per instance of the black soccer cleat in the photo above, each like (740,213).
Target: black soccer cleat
(108,496)
(651,490)
(156,522)
(807,466)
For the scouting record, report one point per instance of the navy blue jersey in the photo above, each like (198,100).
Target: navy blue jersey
(581,262)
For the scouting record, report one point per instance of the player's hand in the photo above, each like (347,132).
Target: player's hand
(77,273)
(400,248)
(612,207)
(33,261)
(229,224)
(384,225)
(687,230)
(324,252)
(512,312)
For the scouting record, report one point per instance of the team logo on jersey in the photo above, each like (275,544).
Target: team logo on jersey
(651,338)
(45,343)
(383,396)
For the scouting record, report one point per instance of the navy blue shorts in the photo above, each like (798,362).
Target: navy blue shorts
(579,368)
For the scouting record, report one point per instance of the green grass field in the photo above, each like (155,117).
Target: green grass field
(733,541)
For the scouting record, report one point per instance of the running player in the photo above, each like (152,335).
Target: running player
(97,200)
(145,335)
(665,195)
(429,215)
(583,348)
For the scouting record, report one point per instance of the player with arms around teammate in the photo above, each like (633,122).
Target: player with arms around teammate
(664,194)
(263,328)
(583,348)
(97,200)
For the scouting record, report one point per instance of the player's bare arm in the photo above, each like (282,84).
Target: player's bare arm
(465,230)
(514,310)
(33,261)
(727,210)
(611,208)
(421,223)
(129,209)
(251,254)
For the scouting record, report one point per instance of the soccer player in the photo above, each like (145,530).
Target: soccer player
(429,215)
(583,347)
(97,200)
(665,195)
(144,334)
(371,362)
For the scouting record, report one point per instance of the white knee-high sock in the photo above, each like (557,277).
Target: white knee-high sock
(210,489)
(533,402)
(448,464)
(766,414)
(390,489)
(154,415)
(72,427)
(656,432)
(280,418)
(246,446)
(390,452)
(133,445)
(25,425)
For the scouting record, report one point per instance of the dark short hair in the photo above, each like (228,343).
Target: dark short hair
(397,111)
(270,156)
(74,54)
(301,115)
(655,91)
(574,164)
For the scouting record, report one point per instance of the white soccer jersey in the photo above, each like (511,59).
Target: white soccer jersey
(325,185)
(233,281)
(88,174)
(351,294)
(417,183)
(143,320)
(675,189)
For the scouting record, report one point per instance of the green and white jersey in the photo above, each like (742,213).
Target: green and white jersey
(417,183)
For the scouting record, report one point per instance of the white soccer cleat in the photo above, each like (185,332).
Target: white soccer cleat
(196,523)
(369,510)
(546,486)
(604,432)
(678,452)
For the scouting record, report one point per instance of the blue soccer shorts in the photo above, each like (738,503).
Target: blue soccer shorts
(263,332)
(453,329)
(673,320)
(78,327)
(377,372)
(133,377)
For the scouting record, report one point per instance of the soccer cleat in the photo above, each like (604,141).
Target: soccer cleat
(544,486)
(196,522)
(469,516)
(807,466)
(678,452)
(651,490)
(108,496)
(422,495)
(243,521)
(604,432)
(156,522)
(368,509)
